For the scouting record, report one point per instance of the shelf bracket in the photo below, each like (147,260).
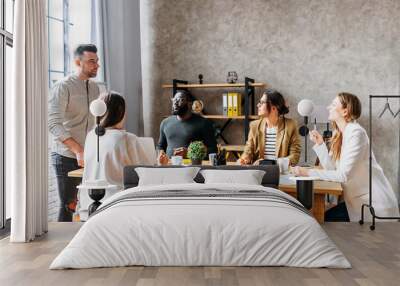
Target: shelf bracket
(221,130)
(249,93)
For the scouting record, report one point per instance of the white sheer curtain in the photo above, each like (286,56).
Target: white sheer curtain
(27,123)
(117,26)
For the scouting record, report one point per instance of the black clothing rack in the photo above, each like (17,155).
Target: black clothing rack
(370,206)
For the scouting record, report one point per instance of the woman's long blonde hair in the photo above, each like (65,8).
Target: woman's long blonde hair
(353,105)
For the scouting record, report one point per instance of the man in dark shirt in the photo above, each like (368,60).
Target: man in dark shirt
(180,129)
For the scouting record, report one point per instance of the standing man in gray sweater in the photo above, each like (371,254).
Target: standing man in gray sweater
(69,121)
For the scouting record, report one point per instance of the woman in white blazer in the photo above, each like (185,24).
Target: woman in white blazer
(118,148)
(347,163)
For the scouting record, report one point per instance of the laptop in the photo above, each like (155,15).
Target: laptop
(148,147)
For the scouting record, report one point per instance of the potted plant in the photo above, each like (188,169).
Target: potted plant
(196,152)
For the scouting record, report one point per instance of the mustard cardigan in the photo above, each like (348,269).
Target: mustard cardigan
(287,141)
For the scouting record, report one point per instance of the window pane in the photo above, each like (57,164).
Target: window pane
(2,137)
(79,31)
(54,77)
(9,70)
(9,15)
(56,8)
(56,45)
(1,16)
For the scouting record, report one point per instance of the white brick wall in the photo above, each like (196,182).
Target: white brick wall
(54,201)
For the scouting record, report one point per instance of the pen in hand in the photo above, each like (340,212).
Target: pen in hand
(315,123)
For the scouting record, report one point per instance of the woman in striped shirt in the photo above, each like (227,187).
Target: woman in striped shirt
(273,135)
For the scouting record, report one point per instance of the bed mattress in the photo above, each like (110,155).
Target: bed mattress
(201,225)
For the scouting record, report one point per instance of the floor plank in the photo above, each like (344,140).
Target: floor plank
(375,257)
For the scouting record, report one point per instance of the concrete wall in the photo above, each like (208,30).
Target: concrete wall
(304,48)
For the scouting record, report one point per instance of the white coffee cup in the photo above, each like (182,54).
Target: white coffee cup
(283,164)
(211,158)
(176,160)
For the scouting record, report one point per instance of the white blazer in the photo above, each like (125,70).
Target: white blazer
(352,171)
(118,149)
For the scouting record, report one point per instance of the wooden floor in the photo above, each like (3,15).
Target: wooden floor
(375,257)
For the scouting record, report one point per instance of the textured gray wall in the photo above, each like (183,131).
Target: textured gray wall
(304,48)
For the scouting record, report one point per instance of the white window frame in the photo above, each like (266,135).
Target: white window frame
(6,39)
(66,49)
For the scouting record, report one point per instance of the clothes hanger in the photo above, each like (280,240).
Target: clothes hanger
(387,107)
(397,113)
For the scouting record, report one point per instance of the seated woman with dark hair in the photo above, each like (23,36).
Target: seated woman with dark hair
(272,136)
(118,148)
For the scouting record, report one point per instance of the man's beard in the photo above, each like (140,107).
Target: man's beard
(181,110)
(91,74)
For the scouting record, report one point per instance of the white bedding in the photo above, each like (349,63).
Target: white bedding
(200,231)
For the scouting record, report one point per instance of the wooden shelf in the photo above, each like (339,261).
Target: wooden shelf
(233,148)
(229,117)
(213,85)
(248,90)
(223,117)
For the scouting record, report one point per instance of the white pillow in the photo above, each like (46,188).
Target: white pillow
(166,176)
(248,177)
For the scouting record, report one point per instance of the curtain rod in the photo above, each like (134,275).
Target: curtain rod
(384,96)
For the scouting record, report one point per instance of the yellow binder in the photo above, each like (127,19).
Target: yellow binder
(235,104)
(239,102)
(230,104)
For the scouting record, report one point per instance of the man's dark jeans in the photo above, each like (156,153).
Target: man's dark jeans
(67,190)
(337,213)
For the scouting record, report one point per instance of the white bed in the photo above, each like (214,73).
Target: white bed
(185,230)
